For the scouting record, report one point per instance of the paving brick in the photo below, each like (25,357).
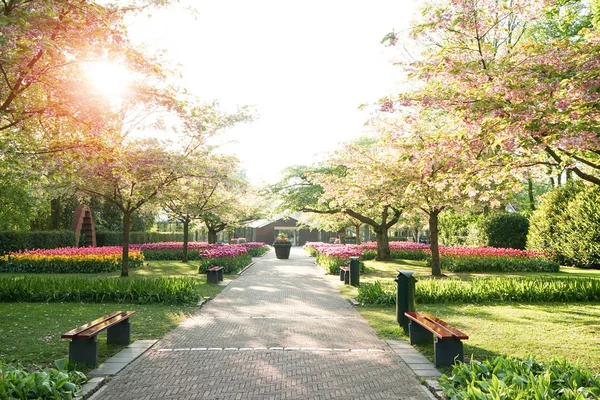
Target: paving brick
(280,331)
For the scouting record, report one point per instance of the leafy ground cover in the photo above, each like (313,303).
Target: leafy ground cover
(30,332)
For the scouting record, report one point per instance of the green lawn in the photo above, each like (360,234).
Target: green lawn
(570,331)
(30,332)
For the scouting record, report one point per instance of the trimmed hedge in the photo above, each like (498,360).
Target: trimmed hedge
(482,290)
(100,290)
(18,241)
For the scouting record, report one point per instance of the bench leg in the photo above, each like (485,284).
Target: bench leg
(212,277)
(418,334)
(84,351)
(119,333)
(220,275)
(447,352)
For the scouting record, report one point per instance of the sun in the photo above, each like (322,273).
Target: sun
(109,78)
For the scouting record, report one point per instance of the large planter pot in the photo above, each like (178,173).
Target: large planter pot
(282,250)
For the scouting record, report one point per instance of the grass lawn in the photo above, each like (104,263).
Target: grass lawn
(570,331)
(546,330)
(30,332)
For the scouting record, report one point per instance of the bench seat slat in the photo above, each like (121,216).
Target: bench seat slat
(98,325)
(431,326)
(76,331)
(444,324)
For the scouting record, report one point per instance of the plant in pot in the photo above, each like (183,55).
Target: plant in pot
(282,246)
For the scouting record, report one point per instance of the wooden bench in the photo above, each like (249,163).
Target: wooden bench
(84,344)
(345,274)
(214,274)
(448,347)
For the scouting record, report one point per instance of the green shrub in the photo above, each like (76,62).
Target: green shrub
(99,290)
(67,264)
(374,293)
(49,383)
(17,241)
(460,229)
(257,251)
(231,265)
(497,264)
(507,231)
(312,252)
(567,222)
(491,290)
(511,378)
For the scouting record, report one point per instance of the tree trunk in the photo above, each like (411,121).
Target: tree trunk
(186,232)
(55,215)
(126,230)
(434,245)
(342,236)
(552,183)
(383,244)
(558,179)
(357,229)
(416,234)
(212,236)
(530,192)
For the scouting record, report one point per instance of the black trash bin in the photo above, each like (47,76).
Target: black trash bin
(405,296)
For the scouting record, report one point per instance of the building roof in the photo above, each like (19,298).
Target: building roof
(260,223)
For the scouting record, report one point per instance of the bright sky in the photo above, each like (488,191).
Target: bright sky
(305,66)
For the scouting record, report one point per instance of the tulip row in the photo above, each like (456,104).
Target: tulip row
(454,259)
(69,260)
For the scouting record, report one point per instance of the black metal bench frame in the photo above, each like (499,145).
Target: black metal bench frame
(345,274)
(84,342)
(214,274)
(448,346)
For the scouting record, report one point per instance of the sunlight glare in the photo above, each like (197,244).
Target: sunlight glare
(111,79)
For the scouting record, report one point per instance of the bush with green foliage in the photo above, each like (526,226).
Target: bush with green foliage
(18,241)
(374,293)
(258,251)
(489,290)
(99,290)
(567,222)
(49,383)
(511,378)
(461,229)
(507,230)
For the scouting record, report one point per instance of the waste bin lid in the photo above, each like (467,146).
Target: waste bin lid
(405,273)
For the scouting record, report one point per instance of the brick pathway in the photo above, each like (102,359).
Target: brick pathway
(280,331)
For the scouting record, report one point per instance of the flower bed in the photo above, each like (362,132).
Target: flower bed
(174,250)
(232,258)
(69,260)
(490,259)
(454,259)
